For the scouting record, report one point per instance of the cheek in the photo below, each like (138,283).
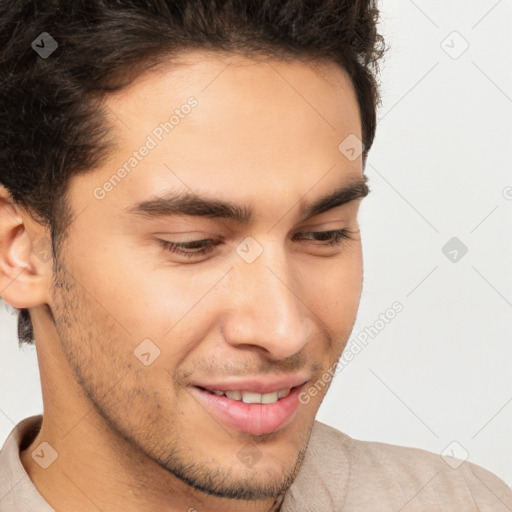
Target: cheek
(145,297)
(142,295)
(333,287)
(169,305)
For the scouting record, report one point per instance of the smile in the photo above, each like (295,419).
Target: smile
(249,397)
(249,411)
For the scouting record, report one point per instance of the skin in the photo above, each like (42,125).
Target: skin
(132,437)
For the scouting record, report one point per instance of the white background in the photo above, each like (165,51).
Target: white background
(440,167)
(442,369)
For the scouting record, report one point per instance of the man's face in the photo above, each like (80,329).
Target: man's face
(151,333)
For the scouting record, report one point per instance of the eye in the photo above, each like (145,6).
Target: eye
(332,237)
(195,248)
(190,249)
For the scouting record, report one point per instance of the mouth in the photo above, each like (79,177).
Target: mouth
(249,411)
(251,397)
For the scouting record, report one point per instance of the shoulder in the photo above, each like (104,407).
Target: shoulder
(17,492)
(378,476)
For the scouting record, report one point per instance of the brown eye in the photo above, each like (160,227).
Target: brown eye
(189,249)
(333,237)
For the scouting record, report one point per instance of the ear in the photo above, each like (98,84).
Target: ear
(26,262)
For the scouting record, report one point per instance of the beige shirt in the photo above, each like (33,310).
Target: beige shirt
(338,474)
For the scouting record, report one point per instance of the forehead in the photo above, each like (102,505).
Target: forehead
(201,68)
(258,128)
(241,94)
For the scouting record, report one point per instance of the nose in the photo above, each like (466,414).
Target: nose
(265,311)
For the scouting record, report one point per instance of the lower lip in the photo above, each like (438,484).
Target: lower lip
(254,419)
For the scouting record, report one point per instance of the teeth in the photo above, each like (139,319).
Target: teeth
(250,397)
(283,393)
(269,398)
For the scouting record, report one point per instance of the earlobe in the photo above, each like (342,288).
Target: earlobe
(25,256)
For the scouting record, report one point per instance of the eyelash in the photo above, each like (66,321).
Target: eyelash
(337,238)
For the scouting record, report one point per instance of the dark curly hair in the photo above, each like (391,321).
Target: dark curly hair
(52,125)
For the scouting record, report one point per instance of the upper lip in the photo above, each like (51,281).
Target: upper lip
(260,385)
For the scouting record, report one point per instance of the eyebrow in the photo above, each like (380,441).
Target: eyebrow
(191,204)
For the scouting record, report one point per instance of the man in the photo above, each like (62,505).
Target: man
(178,230)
